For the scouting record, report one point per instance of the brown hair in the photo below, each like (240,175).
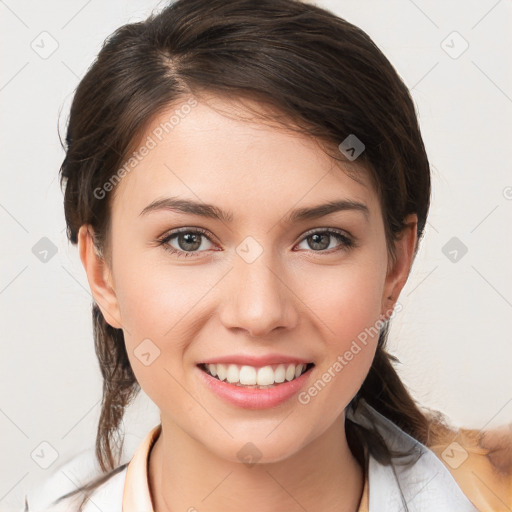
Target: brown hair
(323,76)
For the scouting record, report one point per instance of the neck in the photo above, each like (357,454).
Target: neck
(323,476)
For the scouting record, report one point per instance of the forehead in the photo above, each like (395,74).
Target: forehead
(215,150)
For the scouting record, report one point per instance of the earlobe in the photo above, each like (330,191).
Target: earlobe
(398,272)
(99,277)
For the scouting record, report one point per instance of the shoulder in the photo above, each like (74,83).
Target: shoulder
(451,469)
(50,495)
(480,462)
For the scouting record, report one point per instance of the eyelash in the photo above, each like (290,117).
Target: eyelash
(163,241)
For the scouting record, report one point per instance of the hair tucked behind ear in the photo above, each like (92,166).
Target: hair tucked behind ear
(324,77)
(119,388)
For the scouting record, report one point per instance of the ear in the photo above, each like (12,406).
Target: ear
(99,277)
(398,270)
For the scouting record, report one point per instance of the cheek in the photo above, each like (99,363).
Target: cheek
(157,302)
(156,334)
(345,301)
(346,304)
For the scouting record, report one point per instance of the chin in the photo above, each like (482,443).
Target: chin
(250,450)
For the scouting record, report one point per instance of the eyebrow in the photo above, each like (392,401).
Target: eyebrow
(181,205)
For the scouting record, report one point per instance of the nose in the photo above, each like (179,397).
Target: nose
(258,299)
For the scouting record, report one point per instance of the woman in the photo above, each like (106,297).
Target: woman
(247,185)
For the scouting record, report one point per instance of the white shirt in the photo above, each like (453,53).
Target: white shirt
(427,484)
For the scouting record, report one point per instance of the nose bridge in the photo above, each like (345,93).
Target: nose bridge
(259,300)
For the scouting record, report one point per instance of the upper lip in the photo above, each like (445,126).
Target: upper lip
(257,361)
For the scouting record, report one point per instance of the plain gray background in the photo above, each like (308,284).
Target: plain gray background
(453,334)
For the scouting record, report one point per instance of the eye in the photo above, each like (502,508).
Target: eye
(319,240)
(188,241)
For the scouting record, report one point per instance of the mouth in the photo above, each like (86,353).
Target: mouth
(264,377)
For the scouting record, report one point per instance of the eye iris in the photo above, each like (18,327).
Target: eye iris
(316,240)
(189,238)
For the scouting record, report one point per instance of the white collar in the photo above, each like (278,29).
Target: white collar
(427,484)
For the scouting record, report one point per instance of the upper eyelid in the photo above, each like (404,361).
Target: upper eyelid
(328,229)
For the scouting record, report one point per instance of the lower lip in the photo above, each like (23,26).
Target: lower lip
(253,398)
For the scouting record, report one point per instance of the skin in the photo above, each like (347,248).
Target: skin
(295,298)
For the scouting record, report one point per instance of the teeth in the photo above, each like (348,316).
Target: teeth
(247,375)
(219,369)
(252,376)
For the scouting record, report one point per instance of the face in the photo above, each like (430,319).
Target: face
(260,282)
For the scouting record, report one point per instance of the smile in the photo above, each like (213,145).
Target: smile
(238,385)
